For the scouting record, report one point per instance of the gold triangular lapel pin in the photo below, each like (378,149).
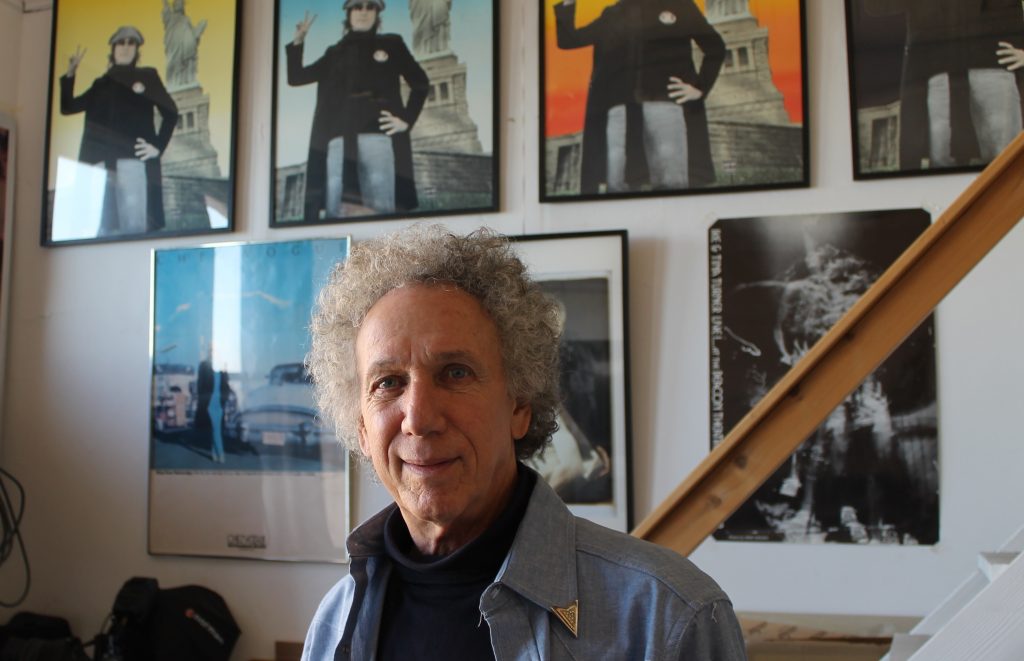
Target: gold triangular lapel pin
(570,616)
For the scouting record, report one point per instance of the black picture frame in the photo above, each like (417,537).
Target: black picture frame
(745,134)
(452,149)
(587,272)
(8,157)
(912,67)
(100,183)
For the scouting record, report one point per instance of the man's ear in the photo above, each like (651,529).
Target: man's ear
(364,444)
(521,416)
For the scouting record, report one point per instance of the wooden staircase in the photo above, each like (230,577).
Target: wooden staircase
(873,327)
(982,619)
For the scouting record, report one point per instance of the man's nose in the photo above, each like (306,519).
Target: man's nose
(422,409)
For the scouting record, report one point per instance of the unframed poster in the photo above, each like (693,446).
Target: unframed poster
(869,473)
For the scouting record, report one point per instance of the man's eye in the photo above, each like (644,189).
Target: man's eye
(458,372)
(387,383)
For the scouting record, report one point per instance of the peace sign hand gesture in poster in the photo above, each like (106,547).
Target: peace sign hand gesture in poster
(302,28)
(75,60)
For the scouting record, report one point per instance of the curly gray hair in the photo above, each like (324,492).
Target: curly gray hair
(483,265)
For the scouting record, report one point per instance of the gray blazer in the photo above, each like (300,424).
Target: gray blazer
(633,600)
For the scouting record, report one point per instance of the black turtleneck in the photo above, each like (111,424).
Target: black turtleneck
(432,607)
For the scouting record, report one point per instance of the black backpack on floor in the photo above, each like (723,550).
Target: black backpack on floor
(148,623)
(33,637)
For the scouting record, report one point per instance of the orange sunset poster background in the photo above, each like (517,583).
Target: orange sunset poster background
(567,73)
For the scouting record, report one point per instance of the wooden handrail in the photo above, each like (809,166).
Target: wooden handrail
(860,341)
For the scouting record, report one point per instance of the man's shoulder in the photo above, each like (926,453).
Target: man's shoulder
(333,607)
(606,559)
(329,621)
(640,562)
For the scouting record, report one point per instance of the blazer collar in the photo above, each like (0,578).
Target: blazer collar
(541,565)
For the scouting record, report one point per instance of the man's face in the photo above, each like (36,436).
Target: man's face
(363,17)
(124,51)
(437,420)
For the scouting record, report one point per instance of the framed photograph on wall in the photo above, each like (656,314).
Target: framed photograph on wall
(7,149)
(7,160)
(241,464)
(935,85)
(667,97)
(141,120)
(870,472)
(383,110)
(588,460)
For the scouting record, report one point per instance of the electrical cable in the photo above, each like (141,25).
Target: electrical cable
(10,532)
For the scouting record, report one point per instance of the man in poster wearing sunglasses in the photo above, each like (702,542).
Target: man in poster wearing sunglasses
(360,152)
(120,133)
(645,126)
(962,78)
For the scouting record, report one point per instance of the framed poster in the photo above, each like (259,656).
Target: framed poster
(383,110)
(141,120)
(241,464)
(588,459)
(7,160)
(665,97)
(935,85)
(869,473)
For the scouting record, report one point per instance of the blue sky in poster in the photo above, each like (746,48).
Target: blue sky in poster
(251,301)
(471,41)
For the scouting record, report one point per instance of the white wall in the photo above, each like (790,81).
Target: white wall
(10,43)
(75,427)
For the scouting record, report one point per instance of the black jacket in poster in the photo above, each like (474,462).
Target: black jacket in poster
(357,78)
(947,36)
(119,109)
(638,45)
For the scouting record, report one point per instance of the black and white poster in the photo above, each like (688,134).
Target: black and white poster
(577,462)
(869,473)
(587,461)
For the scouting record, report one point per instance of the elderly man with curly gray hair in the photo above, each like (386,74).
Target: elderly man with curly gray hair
(436,357)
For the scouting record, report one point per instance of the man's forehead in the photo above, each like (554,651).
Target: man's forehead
(403,360)
(425,323)
(424,306)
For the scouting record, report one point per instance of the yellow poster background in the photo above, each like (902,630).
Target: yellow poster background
(90,24)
